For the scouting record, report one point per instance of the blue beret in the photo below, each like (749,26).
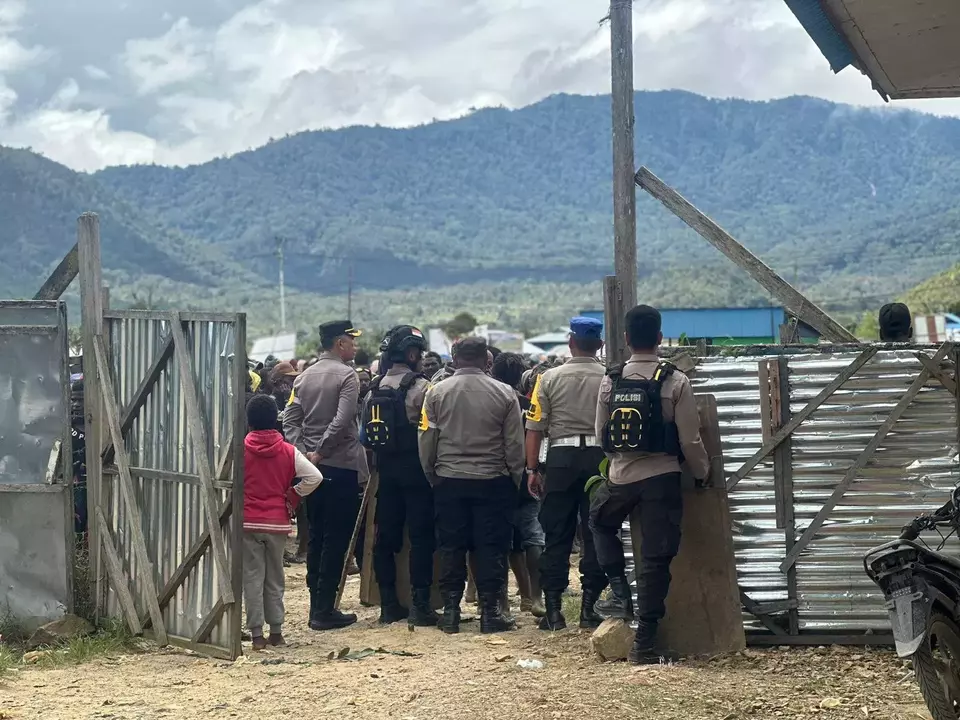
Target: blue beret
(585,328)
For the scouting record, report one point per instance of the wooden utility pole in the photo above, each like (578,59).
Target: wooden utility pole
(624,189)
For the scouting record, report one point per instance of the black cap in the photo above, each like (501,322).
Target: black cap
(895,323)
(405,336)
(336,328)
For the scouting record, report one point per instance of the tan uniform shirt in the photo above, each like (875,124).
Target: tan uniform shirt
(322,414)
(679,406)
(564,400)
(471,427)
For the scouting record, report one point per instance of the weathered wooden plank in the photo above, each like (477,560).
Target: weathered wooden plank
(190,560)
(937,371)
(764,640)
(111,415)
(91,322)
(198,438)
(755,609)
(237,468)
(225,463)
(796,421)
(118,578)
(766,413)
(794,302)
(915,387)
(209,622)
(783,474)
(139,398)
(61,277)
(613,318)
(781,462)
(776,607)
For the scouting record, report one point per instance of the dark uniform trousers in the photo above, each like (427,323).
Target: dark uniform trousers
(475,516)
(660,505)
(332,512)
(568,470)
(404,497)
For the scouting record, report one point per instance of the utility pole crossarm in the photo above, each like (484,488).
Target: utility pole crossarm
(793,301)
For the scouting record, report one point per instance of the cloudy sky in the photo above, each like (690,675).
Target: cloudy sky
(102,82)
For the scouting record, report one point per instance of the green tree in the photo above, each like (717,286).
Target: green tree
(462,324)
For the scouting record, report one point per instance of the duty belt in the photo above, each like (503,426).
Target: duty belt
(576,441)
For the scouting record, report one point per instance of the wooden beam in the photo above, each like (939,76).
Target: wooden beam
(190,560)
(787,430)
(783,477)
(61,277)
(118,578)
(225,464)
(613,319)
(764,640)
(198,438)
(937,371)
(111,414)
(210,621)
(755,609)
(139,399)
(794,302)
(91,323)
(865,456)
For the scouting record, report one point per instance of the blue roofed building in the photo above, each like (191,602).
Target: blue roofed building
(724,326)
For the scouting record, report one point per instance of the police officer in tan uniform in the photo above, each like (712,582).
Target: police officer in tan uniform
(389,422)
(321,421)
(563,408)
(647,418)
(471,449)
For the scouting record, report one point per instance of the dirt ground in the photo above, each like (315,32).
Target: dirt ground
(467,675)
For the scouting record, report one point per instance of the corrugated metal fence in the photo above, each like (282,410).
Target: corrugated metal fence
(167,473)
(912,472)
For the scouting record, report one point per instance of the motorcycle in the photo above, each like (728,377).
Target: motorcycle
(921,587)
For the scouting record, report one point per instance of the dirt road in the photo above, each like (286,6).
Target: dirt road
(468,676)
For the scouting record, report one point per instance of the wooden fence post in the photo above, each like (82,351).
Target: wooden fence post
(91,321)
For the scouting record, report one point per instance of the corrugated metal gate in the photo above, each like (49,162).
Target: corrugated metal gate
(173,401)
(36,489)
(912,471)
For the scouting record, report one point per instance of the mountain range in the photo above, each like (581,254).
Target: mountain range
(508,213)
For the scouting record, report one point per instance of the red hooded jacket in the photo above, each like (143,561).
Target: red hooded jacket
(269,472)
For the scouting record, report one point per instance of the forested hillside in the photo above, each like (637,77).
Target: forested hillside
(510,212)
(854,203)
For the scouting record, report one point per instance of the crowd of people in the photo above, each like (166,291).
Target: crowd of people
(486,463)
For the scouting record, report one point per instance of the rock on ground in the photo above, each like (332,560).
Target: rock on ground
(59,631)
(612,640)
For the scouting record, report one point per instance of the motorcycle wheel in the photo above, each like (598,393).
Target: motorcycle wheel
(937,668)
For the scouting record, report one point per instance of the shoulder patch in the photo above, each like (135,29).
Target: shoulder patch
(293,397)
(535,413)
(424,423)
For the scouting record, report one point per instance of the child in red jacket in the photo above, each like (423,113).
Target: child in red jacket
(269,498)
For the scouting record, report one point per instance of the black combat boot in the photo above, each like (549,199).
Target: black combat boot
(326,616)
(554,619)
(491,616)
(450,622)
(621,604)
(391,610)
(645,651)
(314,606)
(504,603)
(589,619)
(423,615)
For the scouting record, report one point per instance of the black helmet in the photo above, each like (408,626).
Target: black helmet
(385,343)
(403,337)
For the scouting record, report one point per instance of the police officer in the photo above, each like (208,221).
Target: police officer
(471,449)
(563,407)
(647,417)
(390,418)
(321,421)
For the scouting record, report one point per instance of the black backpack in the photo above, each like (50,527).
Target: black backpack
(386,427)
(636,422)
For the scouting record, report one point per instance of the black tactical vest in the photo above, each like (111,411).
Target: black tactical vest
(636,422)
(386,428)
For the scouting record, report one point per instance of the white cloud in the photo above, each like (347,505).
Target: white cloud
(183,82)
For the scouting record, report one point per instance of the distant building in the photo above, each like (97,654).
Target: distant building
(282,347)
(549,341)
(953,327)
(724,326)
